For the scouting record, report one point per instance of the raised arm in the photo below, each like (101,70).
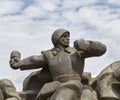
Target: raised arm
(90,48)
(31,62)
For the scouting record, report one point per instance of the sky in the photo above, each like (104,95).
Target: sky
(27,26)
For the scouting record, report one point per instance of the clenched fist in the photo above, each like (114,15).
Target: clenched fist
(14,59)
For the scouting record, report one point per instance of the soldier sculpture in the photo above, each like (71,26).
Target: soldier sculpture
(65,63)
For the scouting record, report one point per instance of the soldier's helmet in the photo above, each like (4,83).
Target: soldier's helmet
(57,34)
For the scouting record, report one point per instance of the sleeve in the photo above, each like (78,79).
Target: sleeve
(33,62)
(90,48)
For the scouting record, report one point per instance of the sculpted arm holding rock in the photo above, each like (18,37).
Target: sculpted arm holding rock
(31,62)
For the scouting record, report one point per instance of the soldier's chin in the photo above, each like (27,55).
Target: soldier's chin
(66,45)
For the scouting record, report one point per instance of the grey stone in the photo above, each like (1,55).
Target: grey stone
(1,95)
(108,82)
(34,82)
(64,63)
(88,95)
(8,89)
(87,92)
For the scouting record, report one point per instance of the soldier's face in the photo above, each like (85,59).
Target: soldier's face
(64,40)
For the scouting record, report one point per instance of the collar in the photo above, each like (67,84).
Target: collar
(57,50)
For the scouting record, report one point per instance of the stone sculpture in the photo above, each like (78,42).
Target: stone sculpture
(87,92)
(107,83)
(65,65)
(8,90)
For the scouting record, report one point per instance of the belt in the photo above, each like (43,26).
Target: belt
(64,78)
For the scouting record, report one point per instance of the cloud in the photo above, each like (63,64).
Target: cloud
(10,7)
(115,2)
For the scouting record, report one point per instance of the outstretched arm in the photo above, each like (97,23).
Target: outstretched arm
(90,48)
(31,62)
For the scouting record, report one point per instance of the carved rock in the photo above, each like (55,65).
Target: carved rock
(1,95)
(34,82)
(107,83)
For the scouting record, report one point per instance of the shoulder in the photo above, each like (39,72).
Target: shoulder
(46,51)
(47,54)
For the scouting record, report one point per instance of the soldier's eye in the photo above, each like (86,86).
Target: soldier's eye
(65,36)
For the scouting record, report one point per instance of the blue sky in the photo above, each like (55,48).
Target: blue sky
(27,26)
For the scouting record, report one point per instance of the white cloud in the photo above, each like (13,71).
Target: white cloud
(10,6)
(115,2)
(49,6)
(77,3)
(33,11)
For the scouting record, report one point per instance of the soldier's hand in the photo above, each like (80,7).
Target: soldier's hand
(14,60)
(81,45)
